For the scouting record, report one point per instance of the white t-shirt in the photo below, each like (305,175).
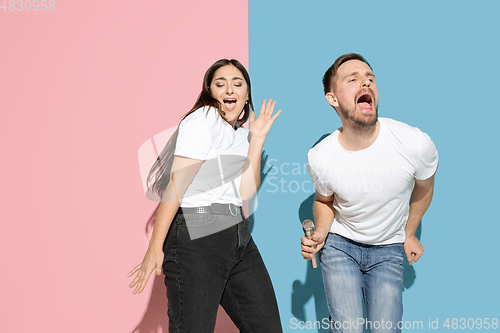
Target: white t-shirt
(372,187)
(205,135)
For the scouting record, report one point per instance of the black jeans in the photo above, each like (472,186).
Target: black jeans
(223,268)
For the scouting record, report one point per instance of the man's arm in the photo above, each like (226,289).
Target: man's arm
(420,200)
(323,216)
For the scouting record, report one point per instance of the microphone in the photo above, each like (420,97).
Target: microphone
(309,229)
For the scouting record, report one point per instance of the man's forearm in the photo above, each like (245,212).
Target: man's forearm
(323,215)
(420,200)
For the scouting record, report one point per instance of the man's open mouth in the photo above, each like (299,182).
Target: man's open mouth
(230,104)
(365,101)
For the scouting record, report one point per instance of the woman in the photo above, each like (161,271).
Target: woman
(200,239)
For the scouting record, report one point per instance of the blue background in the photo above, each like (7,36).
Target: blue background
(437,69)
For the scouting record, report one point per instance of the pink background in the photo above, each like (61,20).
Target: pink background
(81,88)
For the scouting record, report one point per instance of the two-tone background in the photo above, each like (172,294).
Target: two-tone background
(83,84)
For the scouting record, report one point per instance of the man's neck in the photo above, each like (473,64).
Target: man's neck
(355,138)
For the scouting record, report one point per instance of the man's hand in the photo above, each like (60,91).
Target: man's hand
(318,239)
(413,249)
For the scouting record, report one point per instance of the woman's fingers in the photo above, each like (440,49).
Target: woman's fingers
(153,261)
(136,268)
(263,106)
(267,109)
(141,282)
(158,268)
(136,280)
(252,116)
(276,115)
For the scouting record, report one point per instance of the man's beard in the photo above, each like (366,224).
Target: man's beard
(360,123)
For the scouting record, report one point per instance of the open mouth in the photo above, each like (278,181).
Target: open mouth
(365,101)
(230,104)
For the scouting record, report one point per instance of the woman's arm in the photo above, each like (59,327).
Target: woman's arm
(250,180)
(183,171)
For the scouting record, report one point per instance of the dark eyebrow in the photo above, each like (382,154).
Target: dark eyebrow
(234,78)
(367,73)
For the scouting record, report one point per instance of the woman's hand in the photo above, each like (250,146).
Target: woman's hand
(260,127)
(153,260)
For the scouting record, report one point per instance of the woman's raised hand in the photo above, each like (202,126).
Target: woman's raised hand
(260,127)
(153,260)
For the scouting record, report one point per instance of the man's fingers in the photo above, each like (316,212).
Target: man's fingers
(306,241)
(307,249)
(416,256)
(307,255)
(408,257)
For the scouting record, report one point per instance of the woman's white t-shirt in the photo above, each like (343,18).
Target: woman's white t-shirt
(205,135)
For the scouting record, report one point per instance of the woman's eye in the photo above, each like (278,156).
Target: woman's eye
(219,85)
(238,85)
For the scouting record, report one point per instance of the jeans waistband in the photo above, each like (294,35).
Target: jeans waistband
(364,244)
(215,208)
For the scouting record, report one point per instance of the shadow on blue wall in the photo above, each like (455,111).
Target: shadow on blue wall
(313,285)
(263,175)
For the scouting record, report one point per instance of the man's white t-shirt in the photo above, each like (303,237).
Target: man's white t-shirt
(205,135)
(372,187)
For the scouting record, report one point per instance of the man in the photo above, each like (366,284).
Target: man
(374,180)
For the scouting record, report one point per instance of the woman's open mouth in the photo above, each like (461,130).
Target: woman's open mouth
(230,104)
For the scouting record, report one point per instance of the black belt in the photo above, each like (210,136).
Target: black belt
(215,208)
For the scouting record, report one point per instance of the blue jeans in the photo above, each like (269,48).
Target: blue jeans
(353,272)
(222,268)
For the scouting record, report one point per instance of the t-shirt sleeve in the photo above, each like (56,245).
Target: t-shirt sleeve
(194,139)
(428,158)
(319,185)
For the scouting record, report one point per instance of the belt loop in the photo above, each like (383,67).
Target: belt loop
(231,209)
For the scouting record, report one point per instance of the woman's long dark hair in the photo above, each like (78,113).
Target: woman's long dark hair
(159,175)
(206,99)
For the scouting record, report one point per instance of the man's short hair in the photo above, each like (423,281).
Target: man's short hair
(332,71)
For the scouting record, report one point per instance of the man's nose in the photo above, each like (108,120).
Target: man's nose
(367,82)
